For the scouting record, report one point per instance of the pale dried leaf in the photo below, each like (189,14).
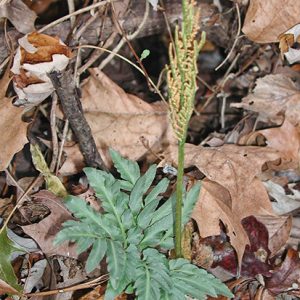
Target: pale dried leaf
(274,98)
(13,10)
(266,20)
(45,231)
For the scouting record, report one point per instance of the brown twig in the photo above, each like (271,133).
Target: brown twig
(53,133)
(67,93)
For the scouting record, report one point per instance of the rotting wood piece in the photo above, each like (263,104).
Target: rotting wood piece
(211,22)
(67,93)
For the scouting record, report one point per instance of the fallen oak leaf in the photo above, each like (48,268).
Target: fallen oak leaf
(232,190)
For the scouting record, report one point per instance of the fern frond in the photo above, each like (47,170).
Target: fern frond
(129,170)
(191,281)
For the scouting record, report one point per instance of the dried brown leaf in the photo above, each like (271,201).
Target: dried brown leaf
(45,231)
(266,20)
(232,191)
(275,98)
(285,139)
(122,121)
(13,132)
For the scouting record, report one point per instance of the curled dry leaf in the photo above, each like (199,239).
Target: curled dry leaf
(13,10)
(37,55)
(121,121)
(266,20)
(279,228)
(286,42)
(45,231)
(285,139)
(284,203)
(275,98)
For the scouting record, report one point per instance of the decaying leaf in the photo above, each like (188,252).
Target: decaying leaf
(286,277)
(19,15)
(37,55)
(45,231)
(122,121)
(266,20)
(54,185)
(274,98)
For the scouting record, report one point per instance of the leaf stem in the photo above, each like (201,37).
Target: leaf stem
(179,197)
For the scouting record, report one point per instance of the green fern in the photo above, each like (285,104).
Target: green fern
(129,232)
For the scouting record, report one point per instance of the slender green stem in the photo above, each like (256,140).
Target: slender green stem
(179,197)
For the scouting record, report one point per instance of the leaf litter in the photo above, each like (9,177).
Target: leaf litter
(247,215)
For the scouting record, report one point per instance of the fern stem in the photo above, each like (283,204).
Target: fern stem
(179,197)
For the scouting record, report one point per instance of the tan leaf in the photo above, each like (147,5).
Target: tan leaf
(266,20)
(279,228)
(45,231)
(122,121)
(13,132)
(274,98)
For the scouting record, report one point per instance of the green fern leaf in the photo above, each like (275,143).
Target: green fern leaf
(96,255)
(152,276)
(189,202)
(129,170)
(140,188)
(160,188)
(191,281)
(116,260)
(88,215)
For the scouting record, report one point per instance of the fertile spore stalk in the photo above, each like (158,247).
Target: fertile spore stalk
(182,85)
